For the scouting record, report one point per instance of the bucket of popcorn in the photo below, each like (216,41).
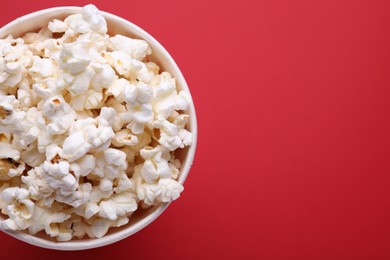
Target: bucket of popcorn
(97,128)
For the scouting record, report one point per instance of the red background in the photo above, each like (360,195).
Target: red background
(293,106)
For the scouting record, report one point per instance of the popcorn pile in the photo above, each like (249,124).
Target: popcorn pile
(88,129)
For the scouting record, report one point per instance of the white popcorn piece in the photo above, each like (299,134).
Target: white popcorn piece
(166,99)
(42,68)
(97,194)
(81,228)
(124,64)
(76,84)
(86,164)
(91,209)
(57,26)
(75,146)
(118,89)
(53,153)
(32,37)
(45,138)
(110,167)
(3,204)
(46,88)
(100,227)
(58,177)
(43,218)
(110,164)
(139,107)
(144,93)
(62,231)
(26,95)
(20,209)
(38,187)
(124,137)
(59,113)
(136,49)
(33,124)
(14,57)
(154,167)
(165,190)
(119,205)
(144,139)
(130,155)
(66,186)
(142,114)
(96,43)
(90,99)
(122,116)
(143,74)
(7,150)
(17,169)
(122,184)
(170,136)
(49,48)
(88,21)
(78,197)
(87,135)
(74,58)
(104,76)
(10,116)
(107,115)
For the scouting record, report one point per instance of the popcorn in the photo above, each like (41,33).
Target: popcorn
(76,84)
(136,49)
(10,116)
(48,48)
(88,129)
(42,68)
(86,164)
(16,168)
(33,157)
(33,125)
(87,135)
(10,74)
(58,177)
(155,166)
(98,227)
(109,166)
(8,151)
(25,95)
(74,58)
(118,206)
(124,64)
(124,137)
(118,88)
(171,136)
(166,99)
(163,190)
(14,57)
(88,21)
(44,218)
(104,76)
(122,117)
(142,114)
(38,186)
(57,26)
(62,231)
(20,208)
(88,100)
(59,113)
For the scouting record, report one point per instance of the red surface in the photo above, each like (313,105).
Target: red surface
(293,106)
